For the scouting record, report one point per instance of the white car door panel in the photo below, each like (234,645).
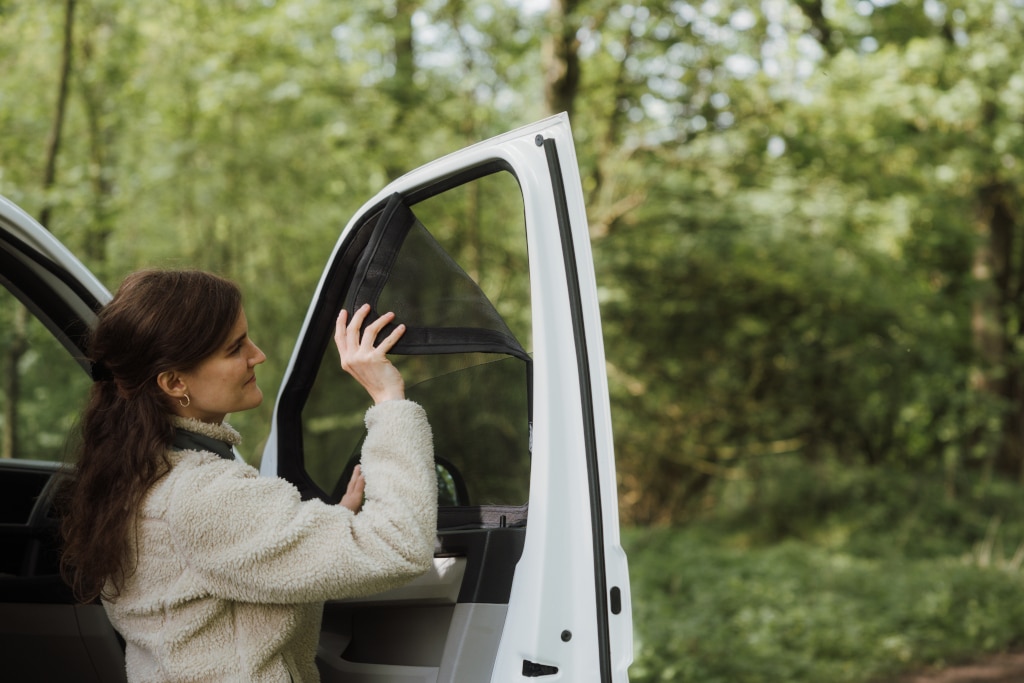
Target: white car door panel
(529,502)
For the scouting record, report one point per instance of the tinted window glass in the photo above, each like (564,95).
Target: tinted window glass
(478,403)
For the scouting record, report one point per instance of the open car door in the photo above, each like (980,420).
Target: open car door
(48,304)
(485,256)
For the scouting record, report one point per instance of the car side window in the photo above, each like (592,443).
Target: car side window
(466,250)
(44,388)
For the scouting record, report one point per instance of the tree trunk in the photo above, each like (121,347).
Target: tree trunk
(53,143)
(401,88)
(102,127)
(561,58)
(12,381)
(997,323)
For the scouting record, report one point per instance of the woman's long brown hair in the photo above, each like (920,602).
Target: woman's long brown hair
(159,320)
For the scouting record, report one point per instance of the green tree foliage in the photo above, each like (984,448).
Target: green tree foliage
(854,576)
(805,213)
(242,136)
(815,238)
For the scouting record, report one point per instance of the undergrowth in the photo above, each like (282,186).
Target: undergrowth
(830,577)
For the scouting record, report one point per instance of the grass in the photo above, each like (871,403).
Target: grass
(832,577)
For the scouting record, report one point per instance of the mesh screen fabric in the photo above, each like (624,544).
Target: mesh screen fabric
(404,269)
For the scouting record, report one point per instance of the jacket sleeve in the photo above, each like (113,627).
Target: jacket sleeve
(252,538)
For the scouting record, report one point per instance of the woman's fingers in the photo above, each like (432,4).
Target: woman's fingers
(356,324)
(363,357)
(387,343)
(353,498)
(374,328)
(340,327)
(368,340)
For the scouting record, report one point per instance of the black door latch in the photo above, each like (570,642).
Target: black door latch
(534,670)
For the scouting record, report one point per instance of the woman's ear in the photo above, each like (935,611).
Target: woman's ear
(171,383)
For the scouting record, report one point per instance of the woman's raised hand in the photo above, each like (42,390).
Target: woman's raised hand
(366,362)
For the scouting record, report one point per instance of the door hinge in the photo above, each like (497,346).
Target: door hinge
(535,670)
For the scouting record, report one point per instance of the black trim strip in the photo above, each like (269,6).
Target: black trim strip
(18,263)
(587,400)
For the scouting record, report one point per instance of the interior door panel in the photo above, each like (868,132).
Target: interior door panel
(444,626)
(44,635)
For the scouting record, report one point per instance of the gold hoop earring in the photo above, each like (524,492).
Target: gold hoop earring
(187,402)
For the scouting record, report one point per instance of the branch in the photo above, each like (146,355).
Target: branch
(820,28)
(53,143)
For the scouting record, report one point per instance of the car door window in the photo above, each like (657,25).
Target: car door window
(453,267)
(44,387)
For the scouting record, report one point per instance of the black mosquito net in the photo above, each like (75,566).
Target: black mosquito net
(403,269)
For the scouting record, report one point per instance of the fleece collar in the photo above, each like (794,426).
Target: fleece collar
(194,435)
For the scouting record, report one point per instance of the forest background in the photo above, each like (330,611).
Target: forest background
(806,223)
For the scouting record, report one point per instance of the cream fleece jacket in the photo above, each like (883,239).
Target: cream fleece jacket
(233,568)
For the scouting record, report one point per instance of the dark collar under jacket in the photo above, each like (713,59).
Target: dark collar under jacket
(185,440)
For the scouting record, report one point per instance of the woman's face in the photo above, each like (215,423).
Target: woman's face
(225,382)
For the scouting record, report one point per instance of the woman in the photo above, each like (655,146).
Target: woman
(210,572)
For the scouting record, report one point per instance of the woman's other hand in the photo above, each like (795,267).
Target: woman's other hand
(366,362)
(353,498)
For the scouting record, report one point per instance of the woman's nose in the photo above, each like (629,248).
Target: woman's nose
(257,357)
